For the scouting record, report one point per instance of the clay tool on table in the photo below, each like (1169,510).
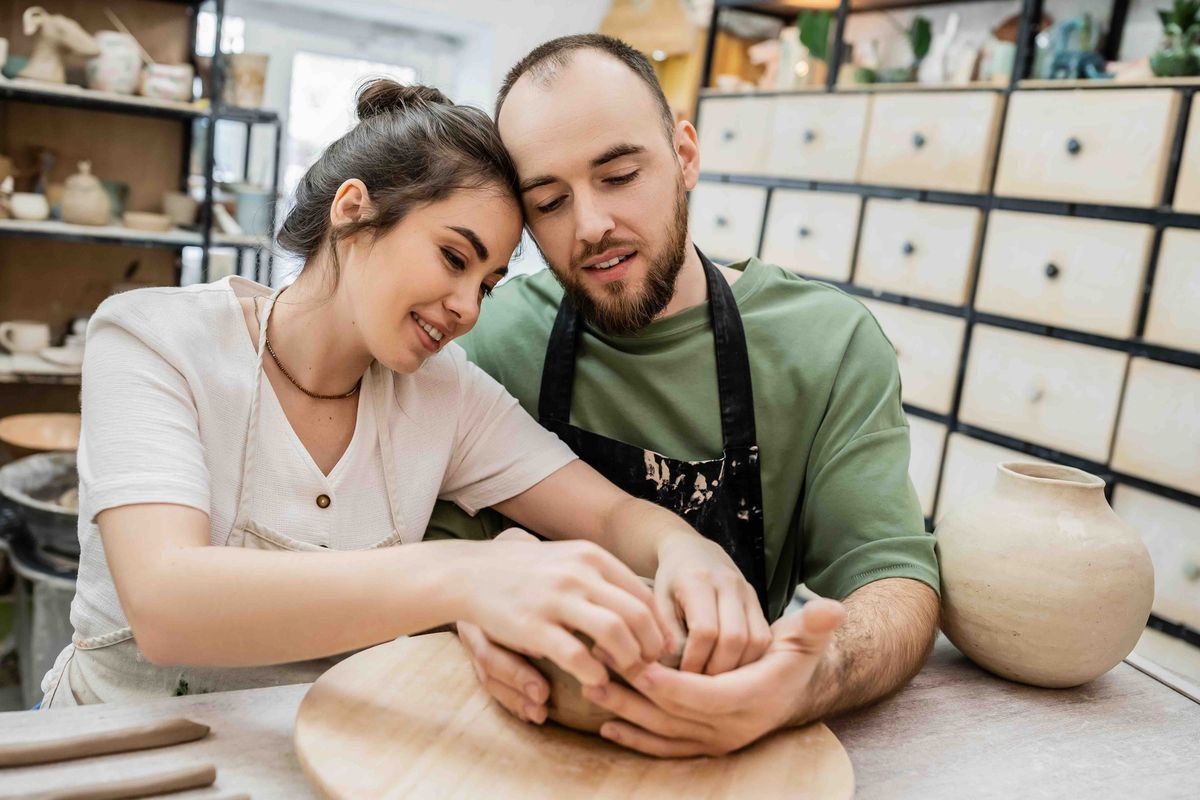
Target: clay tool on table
(99,743)
(165,781)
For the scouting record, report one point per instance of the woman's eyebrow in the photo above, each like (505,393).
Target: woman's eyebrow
(468,234)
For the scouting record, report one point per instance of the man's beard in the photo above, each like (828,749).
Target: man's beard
(618,309)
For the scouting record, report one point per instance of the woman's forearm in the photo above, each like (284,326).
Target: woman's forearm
(576,502)
(229,607)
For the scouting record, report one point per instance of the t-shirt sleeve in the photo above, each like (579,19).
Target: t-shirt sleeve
(499,450)
(140,440)
(862,518)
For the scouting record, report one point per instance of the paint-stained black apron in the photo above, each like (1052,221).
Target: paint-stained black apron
(720,498)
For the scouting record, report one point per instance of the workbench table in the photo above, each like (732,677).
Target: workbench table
(954,732)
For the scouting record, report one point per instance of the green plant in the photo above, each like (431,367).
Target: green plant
(920,35)
(1179,54)
(814,32)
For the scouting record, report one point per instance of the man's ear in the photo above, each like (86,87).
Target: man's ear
(687,150)
(351,204)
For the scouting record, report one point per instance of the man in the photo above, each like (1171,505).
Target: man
(762,407)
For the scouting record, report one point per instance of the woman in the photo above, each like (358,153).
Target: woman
(232,434)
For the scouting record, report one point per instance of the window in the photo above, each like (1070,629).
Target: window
(321,106)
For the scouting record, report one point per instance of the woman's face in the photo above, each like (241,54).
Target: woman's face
(420,285)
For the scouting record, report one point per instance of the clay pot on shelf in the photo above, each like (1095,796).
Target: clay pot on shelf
(1042,583)
(180,207)
(245,79)
(118,66)
(85,202)
(168,82)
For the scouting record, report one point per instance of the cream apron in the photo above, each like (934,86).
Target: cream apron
(110,668)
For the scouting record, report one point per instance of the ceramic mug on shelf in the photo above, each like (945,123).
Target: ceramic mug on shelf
(24,336)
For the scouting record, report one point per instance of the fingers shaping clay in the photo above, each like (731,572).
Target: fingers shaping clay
(568,707)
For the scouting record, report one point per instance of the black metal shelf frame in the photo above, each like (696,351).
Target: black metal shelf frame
(218,111)
(1160,217)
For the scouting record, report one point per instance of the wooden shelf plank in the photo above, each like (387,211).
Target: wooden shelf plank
(115,234)
(79,97)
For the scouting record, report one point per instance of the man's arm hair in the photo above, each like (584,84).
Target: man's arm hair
(888,634)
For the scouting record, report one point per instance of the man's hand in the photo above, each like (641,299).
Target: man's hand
(698,583)
(683,715)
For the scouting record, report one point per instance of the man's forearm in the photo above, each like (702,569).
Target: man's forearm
(889,630)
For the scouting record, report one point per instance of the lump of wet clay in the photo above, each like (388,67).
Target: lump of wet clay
(568,707)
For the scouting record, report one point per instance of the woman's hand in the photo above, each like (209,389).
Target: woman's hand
(532,597)
(698,582)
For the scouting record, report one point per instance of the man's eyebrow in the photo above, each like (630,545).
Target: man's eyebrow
(611,154)
(615,152)
(534,183)
(469,235)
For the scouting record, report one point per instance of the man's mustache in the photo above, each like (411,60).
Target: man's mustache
(593,250)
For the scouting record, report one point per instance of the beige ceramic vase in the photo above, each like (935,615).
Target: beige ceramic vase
(1042,583)
(84,200)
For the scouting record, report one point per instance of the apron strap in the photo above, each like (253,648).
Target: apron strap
(733,362)
(558,370)
(251,453)
(383,389)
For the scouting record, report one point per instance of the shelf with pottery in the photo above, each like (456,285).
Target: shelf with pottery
(1140,83)
(244,240)
(55,229)
(81,97)
(33,368)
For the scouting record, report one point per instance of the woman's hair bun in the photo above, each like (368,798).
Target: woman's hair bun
(384,96)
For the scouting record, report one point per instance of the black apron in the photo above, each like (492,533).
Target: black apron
(720,498)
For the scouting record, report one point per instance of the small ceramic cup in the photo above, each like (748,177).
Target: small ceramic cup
(23,336)
(30,206)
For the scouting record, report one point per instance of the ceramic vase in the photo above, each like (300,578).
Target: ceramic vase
(1042,583)
(84,201)
(119,65)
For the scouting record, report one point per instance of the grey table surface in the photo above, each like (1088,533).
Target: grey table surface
(954,731)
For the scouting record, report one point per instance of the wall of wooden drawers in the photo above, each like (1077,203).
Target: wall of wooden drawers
(1007,318)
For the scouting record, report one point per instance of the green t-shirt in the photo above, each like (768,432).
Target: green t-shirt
(839,509)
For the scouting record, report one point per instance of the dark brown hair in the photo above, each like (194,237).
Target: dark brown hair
(411,147)
(544,61)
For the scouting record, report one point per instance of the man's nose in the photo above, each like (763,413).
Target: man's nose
(592,220)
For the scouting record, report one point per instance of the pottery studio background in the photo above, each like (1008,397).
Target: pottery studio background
(1013,189)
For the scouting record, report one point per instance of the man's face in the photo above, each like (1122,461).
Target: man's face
(603,187)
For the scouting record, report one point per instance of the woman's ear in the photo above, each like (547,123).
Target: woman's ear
(351,204)
(687,150)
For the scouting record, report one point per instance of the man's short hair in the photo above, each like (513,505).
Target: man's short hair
(544,61)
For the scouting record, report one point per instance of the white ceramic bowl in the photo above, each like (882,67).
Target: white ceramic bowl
(30,206)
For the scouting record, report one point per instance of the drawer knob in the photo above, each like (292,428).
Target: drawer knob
(810,136)
(722,222)
(804,232)
(728,135)
(1074,146)
(1191,571)
(908,249)
(1036,394)
(918,140)
(1052,271)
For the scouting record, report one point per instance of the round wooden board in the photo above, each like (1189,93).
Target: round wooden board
(408,719)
